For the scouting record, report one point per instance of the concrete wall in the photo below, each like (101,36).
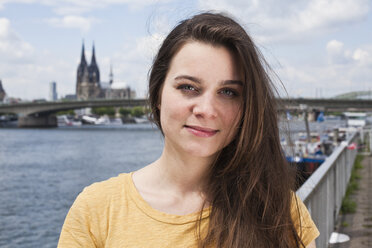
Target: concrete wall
(37,121)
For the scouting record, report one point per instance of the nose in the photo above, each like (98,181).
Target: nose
(205,106)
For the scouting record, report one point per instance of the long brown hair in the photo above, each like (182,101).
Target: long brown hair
(249,185)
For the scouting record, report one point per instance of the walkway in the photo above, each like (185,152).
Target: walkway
(358,226)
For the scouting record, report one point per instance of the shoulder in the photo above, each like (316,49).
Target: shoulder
(94,206)
(100,192)
(297,206)
(303,223)
(87,221)
(299,211)
(106,187)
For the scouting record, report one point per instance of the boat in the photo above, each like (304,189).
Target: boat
(8,121)
(355,119)
(141,119)
(103,120)
(65,120)
(307,155)
(116,121)
(91,120)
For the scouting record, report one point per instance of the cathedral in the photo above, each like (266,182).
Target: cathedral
(89,85)
(2,92)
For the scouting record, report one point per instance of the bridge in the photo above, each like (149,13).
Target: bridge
(330,104)
(42,114)
(24,109)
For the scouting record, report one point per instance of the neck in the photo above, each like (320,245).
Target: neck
(182,172)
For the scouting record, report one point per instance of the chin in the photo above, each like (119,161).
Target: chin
(201,151)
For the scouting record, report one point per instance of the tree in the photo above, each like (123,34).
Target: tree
(125,112)
(66,112)
(110,111)
(137,111)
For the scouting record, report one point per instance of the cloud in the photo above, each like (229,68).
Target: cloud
(148,46)
(336,53)
(160,24)
(309,81)
(12,47)
(344,70)
(336,69)
(79,22)
(325,14)
(335,47)
(66,7)
(69,7)
(291,20)
(31,80)
(22,69)
(132,63)
(363,56)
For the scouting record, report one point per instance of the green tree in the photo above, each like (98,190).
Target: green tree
(66,112)
(110,111)
(125,112)
(137,111)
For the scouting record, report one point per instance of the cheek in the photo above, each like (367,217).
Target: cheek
(172,111)
(233,115)
(232,119)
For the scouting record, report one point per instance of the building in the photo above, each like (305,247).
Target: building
(88,79)
(2,92)
(117,90)
(53,91)
(69,97)
(89,85)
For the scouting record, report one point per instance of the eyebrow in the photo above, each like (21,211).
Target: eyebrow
(191,78)
(199,81)
(227,82)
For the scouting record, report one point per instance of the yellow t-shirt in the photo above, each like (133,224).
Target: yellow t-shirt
(113,214)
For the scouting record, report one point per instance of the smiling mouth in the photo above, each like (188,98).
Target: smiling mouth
(201,131)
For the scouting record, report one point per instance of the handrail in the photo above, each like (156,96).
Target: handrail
(324,190)
(305,191)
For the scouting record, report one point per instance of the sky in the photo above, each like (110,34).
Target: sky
(317,48)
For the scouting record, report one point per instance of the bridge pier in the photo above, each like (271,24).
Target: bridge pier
(37,121)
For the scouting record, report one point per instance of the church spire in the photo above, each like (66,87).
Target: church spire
(93,68)
(93,62)
(82,60)
(81,66)
(2,92)
(111,75)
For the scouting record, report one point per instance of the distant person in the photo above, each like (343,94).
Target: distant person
(222,179)
(318,150)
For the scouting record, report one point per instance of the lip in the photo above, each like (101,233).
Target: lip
(201,131)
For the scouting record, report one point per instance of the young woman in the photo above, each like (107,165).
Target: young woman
(222,179)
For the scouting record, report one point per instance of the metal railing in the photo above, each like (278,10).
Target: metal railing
(324,190)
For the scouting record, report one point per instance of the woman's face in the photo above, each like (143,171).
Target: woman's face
(201,100)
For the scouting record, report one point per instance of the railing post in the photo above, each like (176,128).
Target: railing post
(370,141)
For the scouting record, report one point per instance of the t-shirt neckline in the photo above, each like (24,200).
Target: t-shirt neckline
(156,214)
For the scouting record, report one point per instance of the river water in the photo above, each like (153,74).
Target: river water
(43,170)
